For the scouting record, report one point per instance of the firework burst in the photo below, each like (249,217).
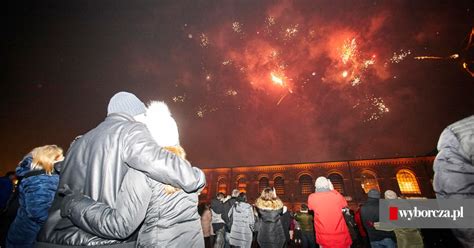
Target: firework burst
(204,40)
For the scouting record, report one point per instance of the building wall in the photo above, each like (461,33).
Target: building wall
(384,170)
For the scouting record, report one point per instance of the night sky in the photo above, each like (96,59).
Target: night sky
(249,82)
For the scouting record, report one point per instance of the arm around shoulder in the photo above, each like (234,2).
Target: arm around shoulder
(141,152)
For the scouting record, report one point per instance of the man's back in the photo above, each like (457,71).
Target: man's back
(94,166)
(331,228)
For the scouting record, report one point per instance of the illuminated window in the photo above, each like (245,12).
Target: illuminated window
(262,184)
(222,186)
(338,182)
(369,181)
(279,184)
(306,184)
(407,182)
(242,184)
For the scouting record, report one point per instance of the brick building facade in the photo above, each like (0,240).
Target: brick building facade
(411,177)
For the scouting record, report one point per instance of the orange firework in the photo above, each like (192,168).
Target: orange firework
(344,74)
(276,79)
(348,50)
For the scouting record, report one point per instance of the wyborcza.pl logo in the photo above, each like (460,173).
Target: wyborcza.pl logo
(427,213)
(410,214)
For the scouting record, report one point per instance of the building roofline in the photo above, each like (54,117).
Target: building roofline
(319,162)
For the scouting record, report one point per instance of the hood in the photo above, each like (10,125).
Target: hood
(242,207)
(24,166)
(447,140)
(269,205)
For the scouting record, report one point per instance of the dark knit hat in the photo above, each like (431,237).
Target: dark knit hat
(373,193)
(124,102)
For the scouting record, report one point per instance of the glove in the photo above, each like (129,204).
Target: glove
(70,197)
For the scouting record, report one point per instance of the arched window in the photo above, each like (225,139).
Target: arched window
(338,182)
(222,186)
(306,184)
(279,184)
(407,183)
(262,184)
(242,184)
(369,181)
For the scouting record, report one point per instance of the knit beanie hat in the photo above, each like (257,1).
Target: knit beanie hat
(323,184)
(373,193)
(390,194)
(124,102)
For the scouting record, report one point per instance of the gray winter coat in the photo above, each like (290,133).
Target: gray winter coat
(171,220)
(454,168)
(97,164)
(243,222)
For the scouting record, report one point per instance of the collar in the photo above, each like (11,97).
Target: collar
(122,116)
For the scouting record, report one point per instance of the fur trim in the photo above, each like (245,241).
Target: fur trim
(161,125)
(269,205)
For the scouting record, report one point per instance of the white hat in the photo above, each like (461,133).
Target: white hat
(322,184)
(390,194)
(161,125)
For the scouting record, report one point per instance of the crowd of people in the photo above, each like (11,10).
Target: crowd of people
(127,183)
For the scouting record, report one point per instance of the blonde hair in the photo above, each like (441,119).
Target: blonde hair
(179,151)
(44,157)
(269,200)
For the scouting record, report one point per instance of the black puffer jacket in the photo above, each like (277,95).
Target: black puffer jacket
(97,163)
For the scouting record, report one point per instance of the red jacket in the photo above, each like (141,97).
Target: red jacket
(330,226)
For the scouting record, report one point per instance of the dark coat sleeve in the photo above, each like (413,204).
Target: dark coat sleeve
(217,206)
(142,153)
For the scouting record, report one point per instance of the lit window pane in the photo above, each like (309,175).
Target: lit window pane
(368,182)
(407,182)
(242,185)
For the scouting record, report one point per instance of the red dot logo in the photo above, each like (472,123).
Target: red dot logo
(393,213)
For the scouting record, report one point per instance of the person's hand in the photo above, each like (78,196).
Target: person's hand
(69,197)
